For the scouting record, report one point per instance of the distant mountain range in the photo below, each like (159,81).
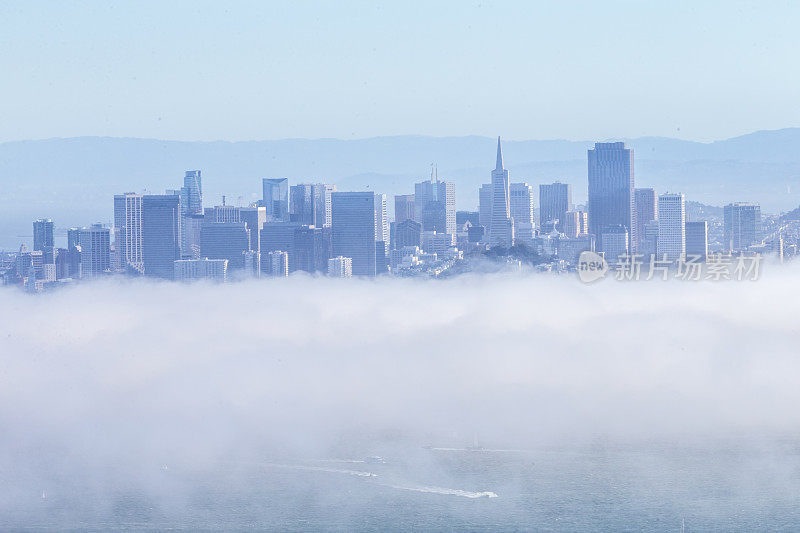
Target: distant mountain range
(72,180)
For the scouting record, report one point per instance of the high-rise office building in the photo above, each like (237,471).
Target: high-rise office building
(95,250)
(191,213)
(308,247)
(276,198)
(161,234)
(252,263)
(583,223)
(322,198)
(191,227)
(49,271)
(73,238)
(742,225)
(407,233)
(43,234)
(646,202)
(404,208)
(340,267)
(382,223)
(521,201)
(254,218)
(435,205)
(615,243)
(649,241)
(571,224)
(354,230)
(278,263)
(222,213)
(611,190)
(303,205)
(485,206)
(195,269)
(671,227)
(697,240)
(128,232)
(280,236)
(312,248)
(501,229)
(192,193)
(225,240)
(555,199)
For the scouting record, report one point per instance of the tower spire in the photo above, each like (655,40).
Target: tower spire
(499,156)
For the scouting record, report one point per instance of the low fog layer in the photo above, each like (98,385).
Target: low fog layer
(282,372)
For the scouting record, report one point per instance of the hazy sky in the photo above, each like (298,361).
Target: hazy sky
(259,70)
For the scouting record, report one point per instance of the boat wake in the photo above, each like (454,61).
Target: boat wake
(361,461)
(447,492)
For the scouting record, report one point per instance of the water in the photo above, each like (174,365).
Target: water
(725,485)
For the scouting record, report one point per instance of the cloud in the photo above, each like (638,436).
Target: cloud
(125,373)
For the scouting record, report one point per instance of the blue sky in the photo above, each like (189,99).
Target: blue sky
(524,70)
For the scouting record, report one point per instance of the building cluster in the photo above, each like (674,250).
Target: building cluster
(314,228)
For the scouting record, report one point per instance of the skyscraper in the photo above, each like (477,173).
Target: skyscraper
(278,263)
(280,236)
(354,228)
(128,232)
(254,218)
(222,213)
(404,208)
(611,196)
(161,234)
(192,193)
(225,240)
(649,241)
(742,225)
(73,238)
(485,206)
(276,198)
(191,227)
(697,240)
(191,213)
(303,208)
(501,230)
(382,235)
(671,227)
(615,243)
(521,201)
(322,198)
(43,234)
(407,233)
(312,248)
(340,267)
(435,205)
(307,246)
(555,199)
(646,201)
(571,224)
(95,250)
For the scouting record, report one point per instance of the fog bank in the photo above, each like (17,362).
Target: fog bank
(119,374)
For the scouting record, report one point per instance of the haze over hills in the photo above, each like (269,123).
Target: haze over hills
(72,180)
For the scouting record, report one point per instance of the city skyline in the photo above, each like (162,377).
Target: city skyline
(318,228)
